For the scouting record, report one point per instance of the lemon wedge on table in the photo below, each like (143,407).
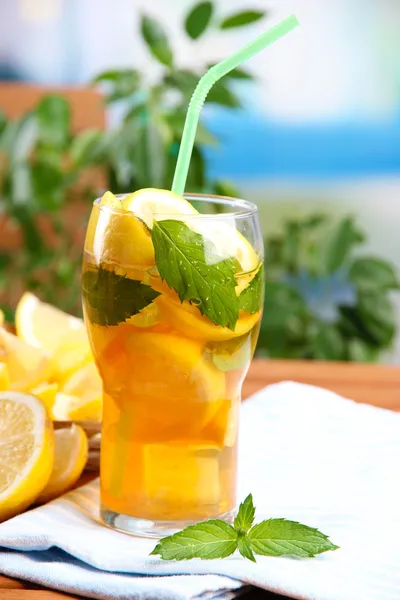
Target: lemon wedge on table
(27,365)
(45,327)
(46,392)
(26,451)
(70,457)
(42,325)
(80,398)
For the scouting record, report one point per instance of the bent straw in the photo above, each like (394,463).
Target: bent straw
(204,86)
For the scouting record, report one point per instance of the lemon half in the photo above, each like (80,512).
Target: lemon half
(26,451)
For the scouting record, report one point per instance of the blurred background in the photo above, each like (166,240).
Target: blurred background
(93,96)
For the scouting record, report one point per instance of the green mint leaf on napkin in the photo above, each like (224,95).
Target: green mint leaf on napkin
(218,539)
(277,537)
(244,547)
(206,540)
(250,299)
(111,299)
(200,277)
(245,517)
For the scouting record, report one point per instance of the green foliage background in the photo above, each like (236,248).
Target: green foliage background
(322,300)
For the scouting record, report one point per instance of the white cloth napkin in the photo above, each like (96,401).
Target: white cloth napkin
(305,454)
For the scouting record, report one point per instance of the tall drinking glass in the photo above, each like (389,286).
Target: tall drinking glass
(172,376)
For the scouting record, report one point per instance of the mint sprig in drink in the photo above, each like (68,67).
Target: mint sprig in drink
(172,301)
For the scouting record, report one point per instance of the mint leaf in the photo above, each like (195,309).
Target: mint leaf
(244,547)
(245,517)
(111,299)
(200,277)
(206,540)
(277,537)
(250,300)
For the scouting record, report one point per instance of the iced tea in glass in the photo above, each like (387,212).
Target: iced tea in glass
(172,293)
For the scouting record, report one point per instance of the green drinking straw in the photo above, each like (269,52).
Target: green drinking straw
(206,83)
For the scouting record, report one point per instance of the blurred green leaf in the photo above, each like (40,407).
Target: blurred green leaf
(156,40)
(242,18)
(138,111)
(121,83)
(88,148)
(328,344)
(19,138)
(3,122)
(291,246)
(240,73)
(225,188)
(53,116)
(8,313)
(198,19)
(21,184)
(5,261)
(360,351)
(340,243)
(176,121)
(221,94)
(47,184)
(373,273)
(372,320)
(377,315)
(33,239)
(183,80)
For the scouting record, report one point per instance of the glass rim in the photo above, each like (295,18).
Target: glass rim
(241,209)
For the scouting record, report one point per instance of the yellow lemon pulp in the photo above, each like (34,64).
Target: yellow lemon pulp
(27,365)
(161,370)
(69,407)
(26,451)
(118,238)
(71,453)
(4,377)
(42,325)
(46,392)
(73,353)
(86,387)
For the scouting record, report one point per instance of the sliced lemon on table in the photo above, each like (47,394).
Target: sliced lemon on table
(26,451)
(73,353)
(4,377)
(46,392)
(69,407)
(70,457)
(81,396)
(27,365)
(43,325)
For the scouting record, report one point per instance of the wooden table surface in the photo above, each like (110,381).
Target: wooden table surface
(373,384)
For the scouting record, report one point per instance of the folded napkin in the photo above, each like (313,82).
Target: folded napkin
(305,454)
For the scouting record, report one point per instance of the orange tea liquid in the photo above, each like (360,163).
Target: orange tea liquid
(169,433)
(171,377)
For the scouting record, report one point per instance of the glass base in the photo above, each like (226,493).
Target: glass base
(148,528)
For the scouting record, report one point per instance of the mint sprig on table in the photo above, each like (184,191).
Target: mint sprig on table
(111,298)
(200,276)
(218,539)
